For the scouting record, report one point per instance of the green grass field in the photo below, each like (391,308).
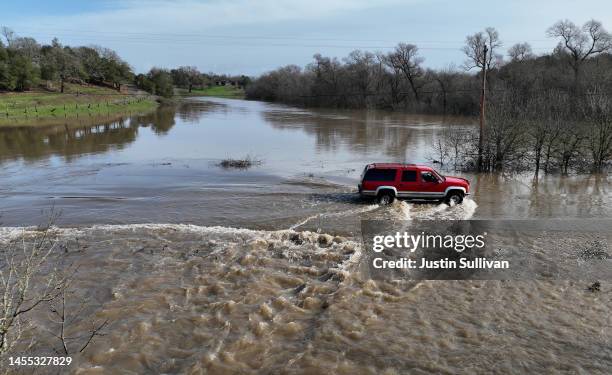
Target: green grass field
(218,91)
(36,107)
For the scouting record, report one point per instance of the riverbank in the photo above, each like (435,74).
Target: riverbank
(39,107)
(229,92)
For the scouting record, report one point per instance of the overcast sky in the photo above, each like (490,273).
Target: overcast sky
(254,36)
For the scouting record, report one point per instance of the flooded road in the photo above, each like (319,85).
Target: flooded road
(161,168)
(203,270)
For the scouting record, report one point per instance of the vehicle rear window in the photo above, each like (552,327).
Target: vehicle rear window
(409,176)
(380,175)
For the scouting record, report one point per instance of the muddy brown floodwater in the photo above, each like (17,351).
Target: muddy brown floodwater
(203,270)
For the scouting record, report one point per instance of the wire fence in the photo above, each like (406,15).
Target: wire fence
(17,110)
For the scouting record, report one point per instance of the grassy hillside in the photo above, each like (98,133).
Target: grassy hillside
(77,101)
(218,91)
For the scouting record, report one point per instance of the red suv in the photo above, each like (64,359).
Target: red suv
(387,181)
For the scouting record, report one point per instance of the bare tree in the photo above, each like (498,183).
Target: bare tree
(390,82)
(22,264)
(33,273)
(327,74)
(452,146)
(599,132)
(440,151)
(474,49)
(405,58)
(550,142)
(544,113)
(360,69)
(506,132)
(480,50)
(67,320)
(457,141)
(8,34)
(520,52)
(570,141)
(581,43)
(445,79)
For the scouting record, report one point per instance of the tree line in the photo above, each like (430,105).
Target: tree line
(26,64)
(161,81)
(549,112)
(548,132)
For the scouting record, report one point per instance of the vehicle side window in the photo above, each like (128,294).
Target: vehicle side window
(380,175)
(409,176)
(428,177)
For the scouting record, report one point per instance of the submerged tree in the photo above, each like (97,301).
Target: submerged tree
(599,135)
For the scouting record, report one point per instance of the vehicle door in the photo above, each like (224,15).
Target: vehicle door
(408,183)
(430,184)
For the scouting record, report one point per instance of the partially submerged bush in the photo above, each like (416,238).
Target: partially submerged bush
(244,163)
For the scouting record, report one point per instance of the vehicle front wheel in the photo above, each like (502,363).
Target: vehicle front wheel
(384,198)
(454,197)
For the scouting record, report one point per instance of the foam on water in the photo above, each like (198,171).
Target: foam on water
(9,234)
(400,209)
(194,299)
(287,238)
(411,211)
(405,210)
(335,214)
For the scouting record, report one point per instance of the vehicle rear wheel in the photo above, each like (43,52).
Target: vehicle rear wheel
(454,197)
(385,197)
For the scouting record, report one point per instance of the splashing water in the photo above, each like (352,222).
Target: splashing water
(442,211)
(192,299)
(356,211)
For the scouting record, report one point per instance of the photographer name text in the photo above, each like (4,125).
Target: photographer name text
(412,242)
(463,263)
